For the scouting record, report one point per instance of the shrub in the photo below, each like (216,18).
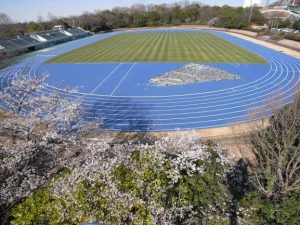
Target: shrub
(294,37)
(146,185)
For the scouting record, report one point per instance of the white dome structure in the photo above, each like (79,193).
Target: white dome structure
(249,3)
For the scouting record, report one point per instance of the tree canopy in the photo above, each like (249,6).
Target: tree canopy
(140,15)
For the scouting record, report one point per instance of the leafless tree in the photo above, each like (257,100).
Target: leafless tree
(5,22)
(277,148)
(120,10)
(52,19)
(41,22)
(138,8)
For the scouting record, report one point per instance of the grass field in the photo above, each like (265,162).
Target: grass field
(161,47)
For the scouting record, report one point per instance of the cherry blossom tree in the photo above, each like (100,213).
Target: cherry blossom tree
(79,174)
(39,128)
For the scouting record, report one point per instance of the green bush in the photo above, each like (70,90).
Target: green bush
(39,209)
(260,210)
(294,37)
(205,193)
(204,197)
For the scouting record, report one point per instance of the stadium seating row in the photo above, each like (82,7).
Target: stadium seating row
(40,40)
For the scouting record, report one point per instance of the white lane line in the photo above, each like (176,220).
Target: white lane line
(122,80)
(172,106)
(287,74)
(46,55)
(227,104)
(218,92)
(200,102)
(102,82)
(278,85)
(197,104)
(194,95)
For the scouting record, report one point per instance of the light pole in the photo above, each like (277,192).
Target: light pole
(251,11)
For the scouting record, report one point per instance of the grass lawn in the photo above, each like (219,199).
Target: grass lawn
(161,47)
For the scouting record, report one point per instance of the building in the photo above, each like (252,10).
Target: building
(249,3)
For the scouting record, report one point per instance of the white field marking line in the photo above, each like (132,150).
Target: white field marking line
(183,129)
(85,94)
(287,97)
(51,88)
(101,63)
(223,97)
(221,101)
(228,88)
(109,75)
(197,122)
(202,101)
(282,87)
(122,79)
(189,99)
(193,94)
(285,71)
(278,85)
(46,55)
(166,97)
(106,96)
(227,113)
(236,105)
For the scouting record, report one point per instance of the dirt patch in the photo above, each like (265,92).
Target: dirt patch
(290,43)
(275,47)
(203,27)
(244,32)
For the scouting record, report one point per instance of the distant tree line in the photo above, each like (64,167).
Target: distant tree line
(140,15)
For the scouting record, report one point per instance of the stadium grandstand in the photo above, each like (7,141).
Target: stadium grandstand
(282,10)
(34,41)
(292,6)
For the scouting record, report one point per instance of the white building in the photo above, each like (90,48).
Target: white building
(249,3)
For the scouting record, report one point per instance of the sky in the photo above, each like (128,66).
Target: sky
(27,10)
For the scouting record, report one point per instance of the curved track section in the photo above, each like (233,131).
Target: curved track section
(214,107)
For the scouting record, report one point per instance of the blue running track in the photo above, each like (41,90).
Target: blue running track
(121,95)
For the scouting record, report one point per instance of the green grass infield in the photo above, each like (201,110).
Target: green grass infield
(161,47)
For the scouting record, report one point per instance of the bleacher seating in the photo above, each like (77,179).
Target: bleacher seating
(8,46)
(52,35)
(19,42)
(29,39)
(2,49)
(76,31)
(41,39)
